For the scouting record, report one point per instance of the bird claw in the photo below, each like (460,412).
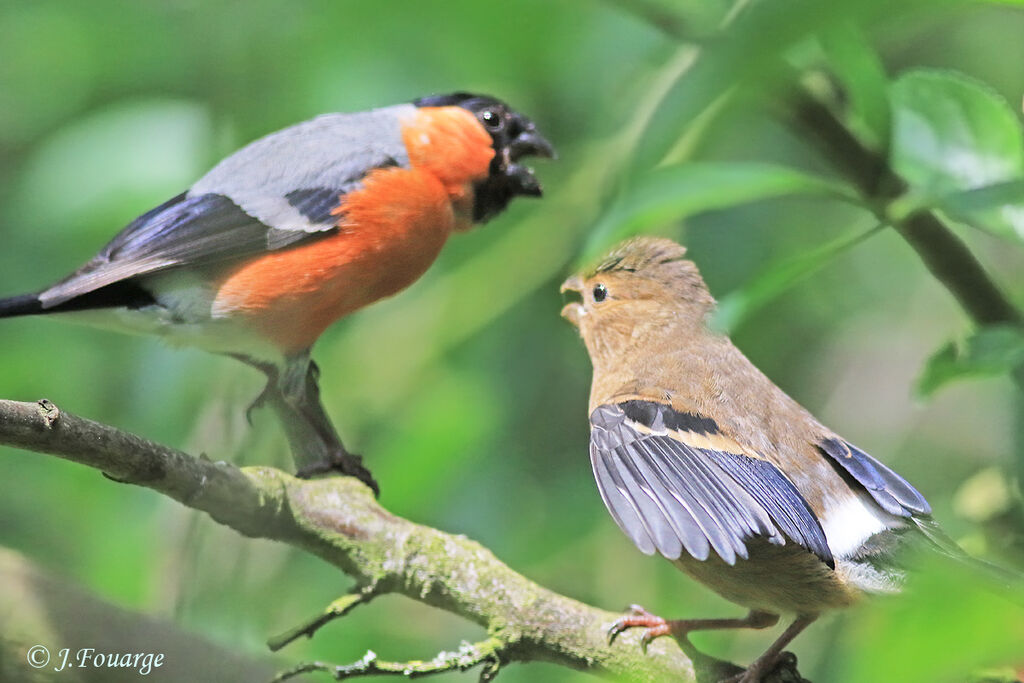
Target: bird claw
(639,617)
(650,634)
(783,668)
(257,403)
(343,463)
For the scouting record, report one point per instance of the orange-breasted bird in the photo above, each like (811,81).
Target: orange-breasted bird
(297,230)
(700,457)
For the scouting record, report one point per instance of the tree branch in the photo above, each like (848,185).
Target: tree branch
(338,519)
(943,253)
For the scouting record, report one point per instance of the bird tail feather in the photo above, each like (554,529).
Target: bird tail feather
(1008,579)
(25,304)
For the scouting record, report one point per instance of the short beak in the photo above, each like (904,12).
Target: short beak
(531,143)
(573,284)
(509,178)
(525,182)
(574,310)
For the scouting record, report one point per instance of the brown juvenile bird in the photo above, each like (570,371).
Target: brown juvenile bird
(700,457)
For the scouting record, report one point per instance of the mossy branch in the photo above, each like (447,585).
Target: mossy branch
(338,519)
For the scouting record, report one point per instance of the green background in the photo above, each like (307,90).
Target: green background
(467,393)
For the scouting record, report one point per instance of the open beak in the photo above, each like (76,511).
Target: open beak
(531,143)
(527,143)
(525,182)
(573,310)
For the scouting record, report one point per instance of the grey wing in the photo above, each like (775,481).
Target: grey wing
(670,491)
(277,192)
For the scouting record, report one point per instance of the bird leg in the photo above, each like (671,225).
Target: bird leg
(766,662)
(679,628)
(294,394)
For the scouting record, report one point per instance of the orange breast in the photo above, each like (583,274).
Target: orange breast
(450,143)
(391,230)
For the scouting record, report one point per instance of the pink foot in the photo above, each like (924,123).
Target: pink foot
(639,617)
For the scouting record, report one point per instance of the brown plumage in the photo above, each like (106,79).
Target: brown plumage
(700,457)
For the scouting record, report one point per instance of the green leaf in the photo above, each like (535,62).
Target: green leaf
(952,134)
(994,206)
(973,626)
(776,279)
(862,73)
(672,193)
(990,351)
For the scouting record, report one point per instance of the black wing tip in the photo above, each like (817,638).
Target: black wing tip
(122,294)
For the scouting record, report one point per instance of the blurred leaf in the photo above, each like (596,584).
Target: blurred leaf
(672,193)
(996,207)
(952,134)
(862,73)
(989,351)
(749,53)
(987,494)
(943,628)
(146,149)
(776,279)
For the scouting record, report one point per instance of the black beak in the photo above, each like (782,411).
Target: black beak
(508,178)
(531,143)
(523,179)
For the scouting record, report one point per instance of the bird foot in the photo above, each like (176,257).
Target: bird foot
(780,670)
(639,617)
(343,463)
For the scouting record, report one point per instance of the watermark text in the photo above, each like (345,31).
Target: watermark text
(89,657)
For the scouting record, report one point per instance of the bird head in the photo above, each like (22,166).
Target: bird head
(513,136)
(641,288)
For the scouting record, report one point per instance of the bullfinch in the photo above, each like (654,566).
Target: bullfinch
(298,229)
(698,456)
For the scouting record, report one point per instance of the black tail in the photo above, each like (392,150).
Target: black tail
(25,304)
(124,293)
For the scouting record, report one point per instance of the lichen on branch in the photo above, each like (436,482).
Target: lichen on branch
(339,520)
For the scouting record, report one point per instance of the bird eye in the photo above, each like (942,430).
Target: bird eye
(600,293)
(492,120)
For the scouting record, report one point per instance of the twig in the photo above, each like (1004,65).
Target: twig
(469,655)
(337,609)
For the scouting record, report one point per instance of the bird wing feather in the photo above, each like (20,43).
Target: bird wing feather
(893,493)
(673,482)
(277,192)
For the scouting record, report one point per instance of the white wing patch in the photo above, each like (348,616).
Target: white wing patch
(848,523)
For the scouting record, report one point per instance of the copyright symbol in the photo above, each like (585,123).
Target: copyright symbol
(38,656)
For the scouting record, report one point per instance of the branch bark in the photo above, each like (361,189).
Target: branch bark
(338,519)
